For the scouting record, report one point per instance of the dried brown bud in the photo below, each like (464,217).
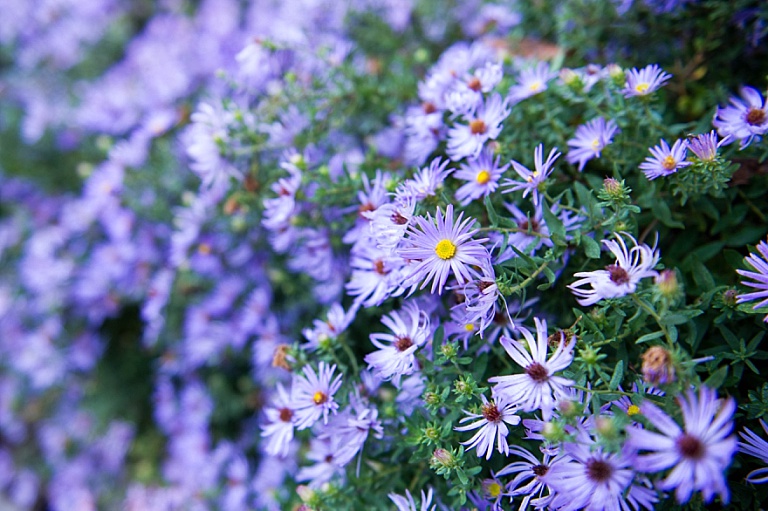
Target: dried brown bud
(657,366)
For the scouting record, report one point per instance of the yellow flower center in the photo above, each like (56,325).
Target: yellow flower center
(469,327)
(669,163)
(319,397)
(642,88)
(533,176)
(204,249)
(596,144)
(494,489)
(633,410)
(445,249)
(483,177)
(535,86)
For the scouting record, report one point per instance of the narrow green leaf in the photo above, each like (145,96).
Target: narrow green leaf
(618,375)
(649,337)
(492,216)
(591,247)
(717,378)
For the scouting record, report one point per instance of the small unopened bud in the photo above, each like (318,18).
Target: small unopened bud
(553,432)
(443,458)
(658,367)
(567,408)
(432,398)
(448,350)
(571,78)
(616,74)
(667,284)
(431,433)
(730,297)
(606,427)
(305,492)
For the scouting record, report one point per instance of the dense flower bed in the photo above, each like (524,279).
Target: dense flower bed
(386,254)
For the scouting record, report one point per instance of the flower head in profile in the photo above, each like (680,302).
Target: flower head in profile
(531,81)
(666,160)
(744,119)
(698,454)
(531,181)
(537,388)
(590,140)
(757,447)
(705,145)
(481,175)
(491,424)
(618,279)
(644,82)
(312,395)
(443,246)
(758,262)
(408,504)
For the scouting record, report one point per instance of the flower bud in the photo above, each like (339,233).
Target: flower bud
(553,432)
(658,367)
(443,458)
(667,284)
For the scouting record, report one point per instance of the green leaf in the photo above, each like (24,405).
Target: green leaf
(717,378)
(493,217)
(661,211)
(618,375)
(591,247)
(555,225)
(649,337)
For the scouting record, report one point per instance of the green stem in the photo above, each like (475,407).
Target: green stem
(530,279)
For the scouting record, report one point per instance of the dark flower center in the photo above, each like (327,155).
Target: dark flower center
(365,208)
(474,84)
(690,447)
(477,127)
(429,108)
(531,224)
(484,284)
(599,471)
(540,470)
(491,412)
(403,343)
(398,219)
(328,458)
(618,274)
(286,414)
(378,267)
(756,116)
(537,372)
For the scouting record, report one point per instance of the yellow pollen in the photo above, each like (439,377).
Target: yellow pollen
(319,397)
(445,249)
(633,410)
(483,177)
(535,86)
(669,163)
(596,144)
(641,88)
(469,327)
(204,249)
(494,489)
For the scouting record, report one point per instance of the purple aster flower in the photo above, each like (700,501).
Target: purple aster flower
(530,81)
(745,119)
(589,141)
(325,453)
(467,93)
(760,277)
(377,274)
(757,447)
(396,354)
(491,424)
(705,146)
(594,479)
(443,246)
(532,181)
(665,161)
(323,331)
(312,395)
(645,81)
(390,222)
(408,504)
(467,140)
(529,477)
(279,429)
(482,175)
(480,297)
(537,387)
(425,182)
(699,454)
(618,279)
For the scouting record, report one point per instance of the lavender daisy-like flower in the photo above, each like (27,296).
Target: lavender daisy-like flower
(618,279)
(699,454)
(744,119)
(665,161)
(645,81)
(757,447)
(594,479)
(531,81)
(537,388)
(396,355)
(408,504)
(312,395)
(705,146)
(760,277)
(529,477)
(441,248)
(492,424)
(589,141)
(482,175)
(281,419)
(532,181)
(467,140)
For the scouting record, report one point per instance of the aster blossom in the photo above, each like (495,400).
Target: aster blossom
(531,81)
(492,425)
(646,81)
(530,472)
(441,247)
(537,388)
(467,140)
(312,394)
(757,447)
(408,504)
(745,119)
(698,455)
(666,160)
(532,181)
(618,279)
(759,277)
(705,145)
(589,141)
(395,356)
(279,429)
(482,176)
